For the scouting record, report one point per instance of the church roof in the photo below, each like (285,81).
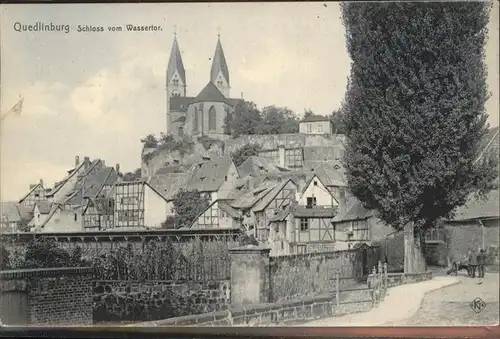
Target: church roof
(180,104)
(219,64)
(175,63)
(211,94)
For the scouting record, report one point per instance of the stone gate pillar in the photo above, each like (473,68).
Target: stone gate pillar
(249,275)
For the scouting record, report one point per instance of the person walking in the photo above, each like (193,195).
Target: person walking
(473,264)
(481,261)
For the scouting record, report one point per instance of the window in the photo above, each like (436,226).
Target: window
(212,116)
(311,201)
(176,82)
(315,183)
(225,178)
(309,128)
(76,217)
(320,128)
(219,83)
(304,224)
(293,158)
(181,132)
(37,195)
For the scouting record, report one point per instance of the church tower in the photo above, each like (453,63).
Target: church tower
(219,74)
(176,78)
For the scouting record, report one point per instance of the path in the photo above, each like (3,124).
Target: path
(450,306)
(401,302)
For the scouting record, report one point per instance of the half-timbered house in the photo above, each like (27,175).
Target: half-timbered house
(36,193)
(301,229)
(275,201)
(137,204)
(218,215)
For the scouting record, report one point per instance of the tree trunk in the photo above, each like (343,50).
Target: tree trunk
(414,261)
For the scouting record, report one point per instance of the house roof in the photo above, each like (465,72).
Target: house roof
(180,119)
(219,64)
(280,216)
(9,211)
(223,205)
(43,206)
(315,118)
(355,211)
(208,176)
(169,184)
(92,185)
(328,175)
(71,173)
(475,209)
(304,212)
(250,198)
(26,212)
(266,200)
(175,63)
(258,165)
(179,104)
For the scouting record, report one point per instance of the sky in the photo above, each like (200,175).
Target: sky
(97,94)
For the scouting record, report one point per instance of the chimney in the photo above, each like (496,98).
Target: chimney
(77,161)
(103,163)
(241,95)
(86,159)
(117,168)
(41,182)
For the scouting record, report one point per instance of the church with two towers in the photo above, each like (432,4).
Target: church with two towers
(205,113)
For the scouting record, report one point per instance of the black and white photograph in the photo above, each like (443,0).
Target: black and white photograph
(257,164)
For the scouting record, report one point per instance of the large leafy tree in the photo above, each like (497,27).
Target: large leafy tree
(244,120)
(244,152)
(415,111)
(187,206)
(278,120)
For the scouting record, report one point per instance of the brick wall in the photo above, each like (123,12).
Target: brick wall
(119,301)
(52,296)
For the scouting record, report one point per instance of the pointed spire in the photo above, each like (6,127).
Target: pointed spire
(175,62)
(219,64)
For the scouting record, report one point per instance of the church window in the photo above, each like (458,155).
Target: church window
(219,83)
(176,82)
(195,119)
(212,116)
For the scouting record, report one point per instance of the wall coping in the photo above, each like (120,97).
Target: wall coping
(250,249)
(44,272)
(237,311)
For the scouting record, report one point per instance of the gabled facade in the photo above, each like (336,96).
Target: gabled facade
(299,229)
(137,204)
(278,199)
(41,212)
(99,214)
(36,193)
(316,193)
(218,215)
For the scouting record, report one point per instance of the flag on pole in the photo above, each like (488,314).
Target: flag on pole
(15,110)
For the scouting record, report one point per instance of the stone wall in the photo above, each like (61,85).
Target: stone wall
(300,275)
(290,141)
(280,313)
(119,301)
(52,296)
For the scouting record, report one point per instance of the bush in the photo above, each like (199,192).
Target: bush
(45,253)
(4,258)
